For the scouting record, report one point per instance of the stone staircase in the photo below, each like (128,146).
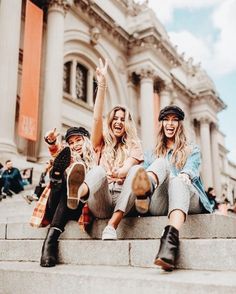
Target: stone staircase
(207,261)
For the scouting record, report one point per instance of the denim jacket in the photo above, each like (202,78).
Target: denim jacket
(191,168)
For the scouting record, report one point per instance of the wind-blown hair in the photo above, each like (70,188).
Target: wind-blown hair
(88,154)
(117,151)
(181,148)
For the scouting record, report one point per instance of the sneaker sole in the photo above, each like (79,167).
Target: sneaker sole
(140,186)
(164,265)
(75,180)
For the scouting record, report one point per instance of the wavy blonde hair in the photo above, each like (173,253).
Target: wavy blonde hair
(88,154)
(181,148)
(116,152)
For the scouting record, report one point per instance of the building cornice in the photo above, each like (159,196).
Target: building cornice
(211,98)
(95,16)
(150,38)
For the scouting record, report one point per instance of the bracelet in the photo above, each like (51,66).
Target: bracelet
(50,142)
(102,85)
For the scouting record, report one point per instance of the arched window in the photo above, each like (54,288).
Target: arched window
(81,82)
(67,77)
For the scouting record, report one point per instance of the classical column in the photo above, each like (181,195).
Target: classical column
(215,160)
(132,101)
(206,152)
(147,109)
(156,106)
(53,86)
(10,20)
(165,96)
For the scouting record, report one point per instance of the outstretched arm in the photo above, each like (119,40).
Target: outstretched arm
(51,139)
(97,129)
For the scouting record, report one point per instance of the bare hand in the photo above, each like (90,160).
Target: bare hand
(101,72)
(52,135)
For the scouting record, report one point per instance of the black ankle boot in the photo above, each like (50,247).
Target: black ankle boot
(50,248)
(169,246)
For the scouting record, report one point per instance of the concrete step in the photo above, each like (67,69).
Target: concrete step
(25,278)
(208,254)
(203,226)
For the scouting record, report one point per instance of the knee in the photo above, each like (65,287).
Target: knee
(176,182)
(133,169)
(100,172)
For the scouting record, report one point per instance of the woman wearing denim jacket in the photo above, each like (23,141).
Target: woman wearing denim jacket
(171,184)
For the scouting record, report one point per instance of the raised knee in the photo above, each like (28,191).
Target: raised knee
(100,172)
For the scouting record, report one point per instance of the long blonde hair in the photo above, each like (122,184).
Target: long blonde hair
(116,151)
(88,154)
(181,148)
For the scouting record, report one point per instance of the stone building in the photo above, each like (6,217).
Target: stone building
(145,73)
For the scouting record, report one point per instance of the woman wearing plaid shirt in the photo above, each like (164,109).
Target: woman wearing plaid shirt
(57,204)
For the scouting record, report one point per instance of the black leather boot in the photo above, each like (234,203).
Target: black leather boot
(169,246)
(50,248)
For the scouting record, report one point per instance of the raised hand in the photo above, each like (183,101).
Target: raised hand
(101,72)
(51,136)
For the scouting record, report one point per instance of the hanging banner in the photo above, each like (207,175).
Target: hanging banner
(29,101)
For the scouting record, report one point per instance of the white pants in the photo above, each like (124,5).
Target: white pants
(102,201)
(172,192)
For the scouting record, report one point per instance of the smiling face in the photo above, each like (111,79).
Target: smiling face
(118,123)
(75,143)
(170,126)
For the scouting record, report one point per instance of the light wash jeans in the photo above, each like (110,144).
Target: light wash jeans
(104,200)
(172,192)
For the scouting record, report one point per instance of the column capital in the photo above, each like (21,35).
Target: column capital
(59,5)
(204,120)
(146,73)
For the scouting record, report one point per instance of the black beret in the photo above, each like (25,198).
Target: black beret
(74,131)
(171,109)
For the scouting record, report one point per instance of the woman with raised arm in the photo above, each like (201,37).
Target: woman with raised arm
(118,152)
(57,205)
(171,184)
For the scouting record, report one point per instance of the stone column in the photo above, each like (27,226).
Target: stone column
(206,152)
(165,96)
(147,109)
(53,86)
(10,21)
(132,101)
(156,104)
(215,160)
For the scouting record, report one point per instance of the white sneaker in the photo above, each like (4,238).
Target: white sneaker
(109,233)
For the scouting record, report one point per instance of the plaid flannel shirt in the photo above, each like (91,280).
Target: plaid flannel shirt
(38,218)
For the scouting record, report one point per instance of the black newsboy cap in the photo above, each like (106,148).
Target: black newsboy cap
(171,109)
(74,131)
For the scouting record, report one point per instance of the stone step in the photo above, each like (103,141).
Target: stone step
(25,278)
(207,254)
(204,226)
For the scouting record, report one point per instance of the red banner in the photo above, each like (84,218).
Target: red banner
(29,102)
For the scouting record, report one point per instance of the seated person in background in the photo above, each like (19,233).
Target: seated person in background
(43,181)
(212,197)
(12,180)
(25,177)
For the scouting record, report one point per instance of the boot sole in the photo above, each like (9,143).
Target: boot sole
(60,164)
(164,265)
(75,179)
(140,186)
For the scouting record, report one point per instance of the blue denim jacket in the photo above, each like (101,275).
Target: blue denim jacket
(191,168)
